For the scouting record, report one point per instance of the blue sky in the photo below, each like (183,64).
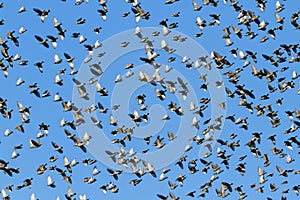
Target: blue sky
(51,113)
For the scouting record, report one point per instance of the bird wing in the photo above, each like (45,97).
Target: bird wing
(49,181)
(38,38)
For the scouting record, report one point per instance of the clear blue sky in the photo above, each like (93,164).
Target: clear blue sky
(51,113)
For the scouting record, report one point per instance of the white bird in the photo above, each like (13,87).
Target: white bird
(22,9)
(187,148)
(57,98)
(193,106)
(82,39)
(129,74)
(4,194)
(200,23)
(168,69)
(14,154)
(112,120)
(7,132)
(32,197)
(138,32)
(295,75)
(22,30)
(165,31)
(97,44)
(86,138)
(20,81)
(242,55)
(74,163)
(82,197)
(50,183)
(17,57)
(70,193)
(228,42)
(131,152)
(58,81)
(196,7)
(95,171)
(56,23)
(197,64)
(195,122)
(185,59)
(166,117)
(118,78)
(57,60)
(162,177)
(279,6)
(163,44)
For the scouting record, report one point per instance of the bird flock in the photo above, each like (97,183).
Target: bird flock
(252,44)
